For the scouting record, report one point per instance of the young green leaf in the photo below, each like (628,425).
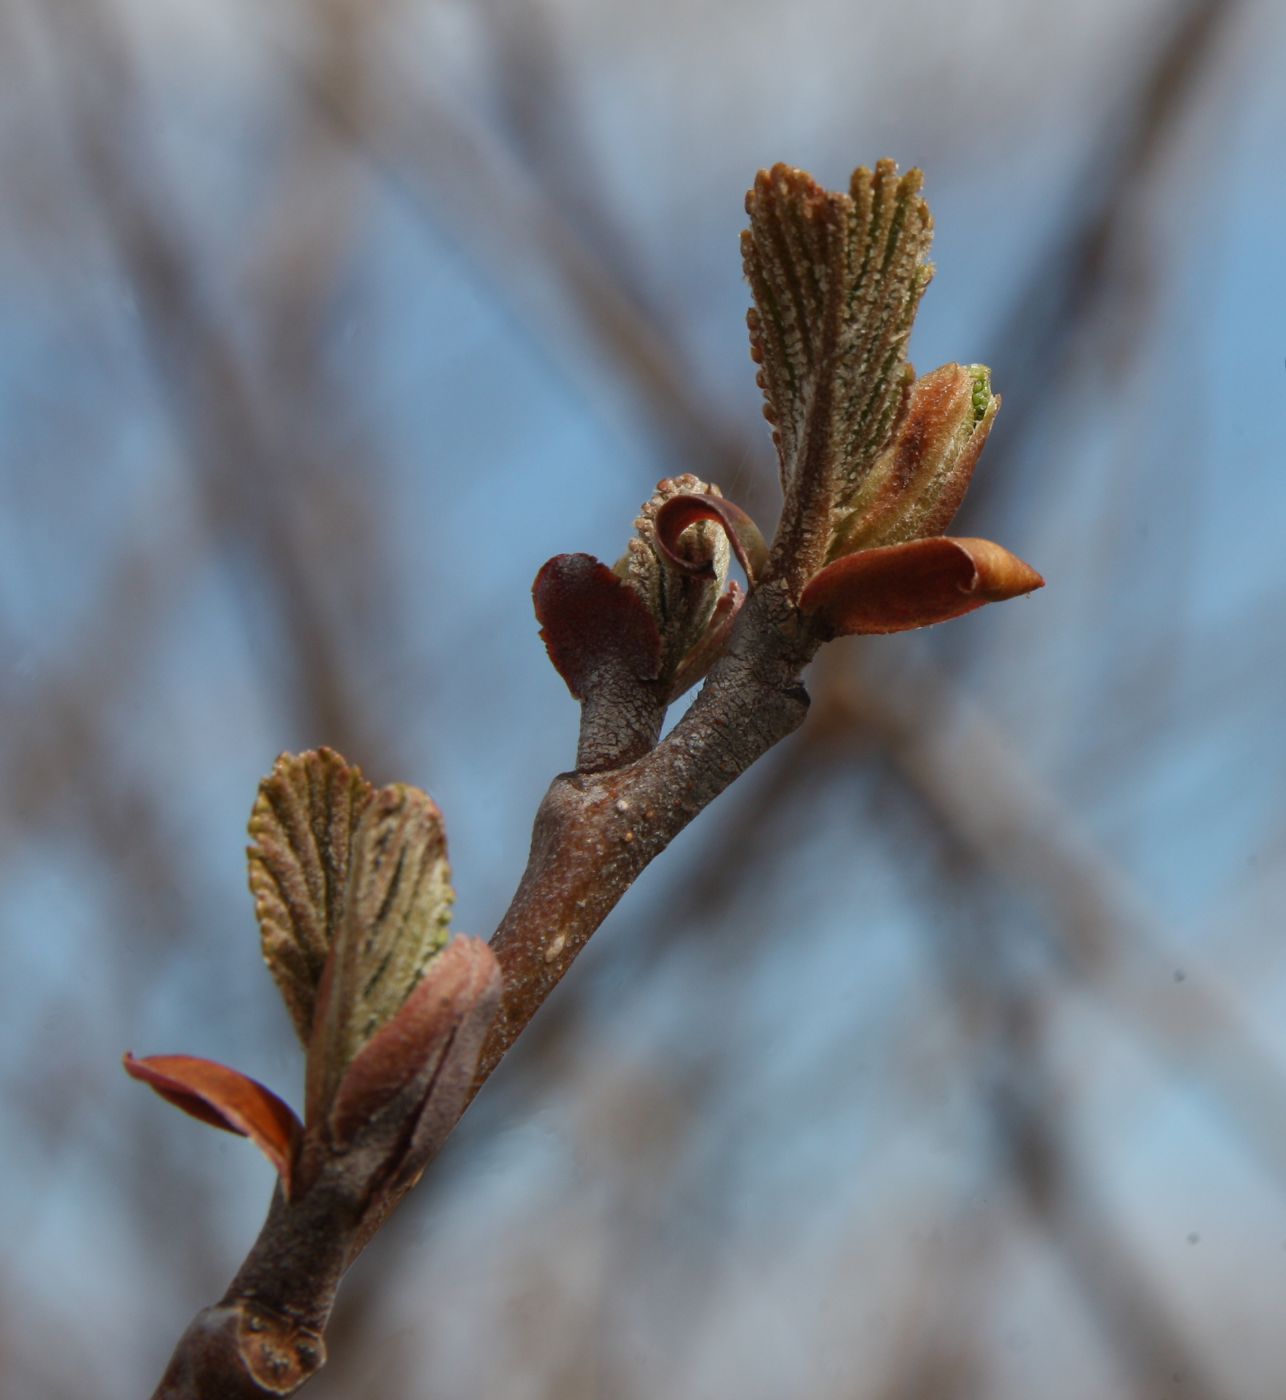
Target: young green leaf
(396,911)
(301,828)
(836,280)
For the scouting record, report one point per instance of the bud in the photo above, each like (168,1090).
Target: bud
(679,575)
(663,613)
(915,486)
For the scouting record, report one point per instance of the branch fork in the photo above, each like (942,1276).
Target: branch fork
(400,1025)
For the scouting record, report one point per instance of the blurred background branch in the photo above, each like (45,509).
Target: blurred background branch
(324,326)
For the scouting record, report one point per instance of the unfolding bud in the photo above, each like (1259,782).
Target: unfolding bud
(396,911)
(874,462)
(916,485)
(679,574)
(353,892)
(662,615)
(405,1090)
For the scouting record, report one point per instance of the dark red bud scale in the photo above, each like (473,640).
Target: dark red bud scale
(590,619)
(225,1098)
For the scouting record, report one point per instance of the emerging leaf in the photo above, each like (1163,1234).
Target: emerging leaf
(710,646)
(917,483)
(903,586)
(433,1039)
(396,911)
(301,828)
(225,1098)
(836,280)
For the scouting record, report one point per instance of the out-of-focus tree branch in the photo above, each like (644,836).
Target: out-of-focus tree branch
(244,465)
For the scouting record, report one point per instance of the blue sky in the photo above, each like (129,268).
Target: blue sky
(465,422)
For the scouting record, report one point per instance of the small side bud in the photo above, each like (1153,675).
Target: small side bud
(678,565)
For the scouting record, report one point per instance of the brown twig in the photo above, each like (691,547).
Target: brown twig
(399,1032)
(594,834)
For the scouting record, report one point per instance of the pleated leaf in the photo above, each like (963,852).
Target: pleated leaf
(301,829)
(396,912)
(836,279)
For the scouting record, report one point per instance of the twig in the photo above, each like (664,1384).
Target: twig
(401,1028)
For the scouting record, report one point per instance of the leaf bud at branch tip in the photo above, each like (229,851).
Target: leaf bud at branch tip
(664,612)
(875,463)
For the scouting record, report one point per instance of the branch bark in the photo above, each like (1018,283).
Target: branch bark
(596,832)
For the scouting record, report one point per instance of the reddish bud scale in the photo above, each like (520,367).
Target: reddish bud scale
(225,1098)
(674,517)
(590,620)
(904,586)
(915,487)
(462,984)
